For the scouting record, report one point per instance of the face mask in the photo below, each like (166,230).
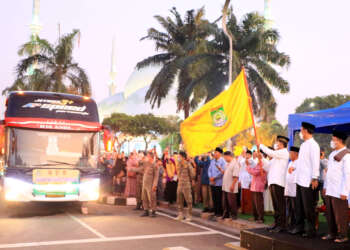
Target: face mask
(275,146)
(332,145)
(301,136)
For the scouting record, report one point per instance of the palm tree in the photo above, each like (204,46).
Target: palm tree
(254,47)
(55,68)
(178,45)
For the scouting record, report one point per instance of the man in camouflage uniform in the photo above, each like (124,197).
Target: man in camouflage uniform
(184,189)
(139,179)
(149,185)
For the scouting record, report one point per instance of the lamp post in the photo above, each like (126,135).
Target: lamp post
(230,38)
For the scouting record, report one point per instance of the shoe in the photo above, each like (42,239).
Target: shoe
(226,216)
(309,235)
(145,214)
(295,231)
(328,237)
(153,214)
(206,210)
(251,219)
(277,230)
(341,240)
(180,217)
(260,221)
(234,217)
(188,219)
(272,227)
(138,207)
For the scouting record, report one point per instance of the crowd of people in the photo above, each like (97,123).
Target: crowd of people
(295,181)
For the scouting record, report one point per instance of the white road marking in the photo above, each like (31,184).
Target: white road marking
(98,240)
(98,234)
(176,248)
(202,227)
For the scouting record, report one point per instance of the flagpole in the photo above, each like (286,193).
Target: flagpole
(251,109)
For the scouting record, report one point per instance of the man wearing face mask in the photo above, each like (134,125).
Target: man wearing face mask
(337,189)
(307,175)
(276,180)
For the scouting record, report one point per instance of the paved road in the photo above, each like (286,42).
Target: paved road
(57,226)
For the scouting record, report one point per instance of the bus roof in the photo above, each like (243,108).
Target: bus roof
(48,110)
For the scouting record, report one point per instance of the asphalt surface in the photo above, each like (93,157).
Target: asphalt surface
(52,226)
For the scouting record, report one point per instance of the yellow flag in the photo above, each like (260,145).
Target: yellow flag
(218,120)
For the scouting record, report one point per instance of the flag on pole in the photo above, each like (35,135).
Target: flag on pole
(219,120)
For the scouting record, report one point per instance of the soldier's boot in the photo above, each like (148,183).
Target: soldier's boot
(138,206)
(180,216)
(189,215)
(153,214)
(145,214)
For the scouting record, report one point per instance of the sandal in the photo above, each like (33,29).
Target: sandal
(342,240)
(328,237)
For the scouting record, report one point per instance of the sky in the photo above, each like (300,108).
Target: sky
(314,33)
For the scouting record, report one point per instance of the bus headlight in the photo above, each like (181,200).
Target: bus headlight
(14,188)
(90,188)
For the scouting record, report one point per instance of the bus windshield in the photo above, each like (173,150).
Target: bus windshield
(50,149)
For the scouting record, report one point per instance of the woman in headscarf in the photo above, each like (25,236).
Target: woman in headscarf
(130,189)
(171,177)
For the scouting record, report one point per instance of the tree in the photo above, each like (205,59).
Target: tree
(322,102)
(55,69)
(147,126)
(267,133)
(319,103)
(255,49)
(180,39)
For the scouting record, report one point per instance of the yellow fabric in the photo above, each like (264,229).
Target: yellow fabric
(202,134)
(170,169)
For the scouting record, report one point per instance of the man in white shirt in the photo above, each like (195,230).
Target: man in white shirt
(230,186)
(244,180)
(290,189)
(276,180)
(307,175)
(337,189)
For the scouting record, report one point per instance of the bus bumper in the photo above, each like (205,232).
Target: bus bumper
(19,191)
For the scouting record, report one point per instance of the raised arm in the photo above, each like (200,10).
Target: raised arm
(281,154)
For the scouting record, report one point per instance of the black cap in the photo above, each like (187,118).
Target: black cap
(341,135)
(294,149)
(219,150)
(283,138)
(249,152)
(228,153)
(307,125)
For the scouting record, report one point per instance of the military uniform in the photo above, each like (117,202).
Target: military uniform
(150,181)
(184,189)
(139,177)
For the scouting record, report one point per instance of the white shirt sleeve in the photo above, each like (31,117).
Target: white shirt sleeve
(274,153)
(346,171)
(315,160)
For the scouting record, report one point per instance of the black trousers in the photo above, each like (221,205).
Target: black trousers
(216,192)
(337,216)
(291,213)
(258,205)
(279,205)
(305,208)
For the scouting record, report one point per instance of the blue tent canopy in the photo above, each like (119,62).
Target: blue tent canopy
(325,120)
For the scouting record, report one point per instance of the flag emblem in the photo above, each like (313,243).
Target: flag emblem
(218,116)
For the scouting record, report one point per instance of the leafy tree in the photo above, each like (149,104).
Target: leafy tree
(181,38)
(147,126)
(267,133)
(55,69)
(255,48)
(322,102)
(319,103)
